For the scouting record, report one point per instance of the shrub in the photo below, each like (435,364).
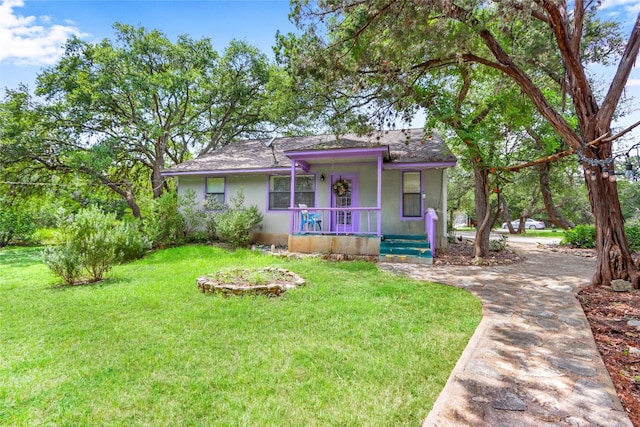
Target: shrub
(15,226)
(583,236)
(92,243)
(64,261)
(234,222)
(165,226)
(130,243)
(195,218)
(499,244)
(91,234)
(633,236)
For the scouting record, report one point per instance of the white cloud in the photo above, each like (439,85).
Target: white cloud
(31,40)
(627,4)
(633,82)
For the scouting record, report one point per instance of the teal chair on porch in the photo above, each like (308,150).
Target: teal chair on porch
(309,220)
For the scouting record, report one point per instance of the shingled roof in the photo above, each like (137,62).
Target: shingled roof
(405,146)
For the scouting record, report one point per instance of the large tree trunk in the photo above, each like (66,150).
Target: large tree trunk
(157,180)
(614,259)
(126,193)
(483,215)
(507,216)
(554,216)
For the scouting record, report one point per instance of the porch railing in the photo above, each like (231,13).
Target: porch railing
(336,221)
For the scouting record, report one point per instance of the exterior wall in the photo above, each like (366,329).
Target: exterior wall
(434,196)
(275,227)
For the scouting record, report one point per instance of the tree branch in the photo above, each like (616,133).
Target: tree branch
(622,74)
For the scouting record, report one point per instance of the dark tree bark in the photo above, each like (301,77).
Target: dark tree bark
(507,217)
(483,213)
(553,214)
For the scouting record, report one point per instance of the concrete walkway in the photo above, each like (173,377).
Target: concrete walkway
(533,360)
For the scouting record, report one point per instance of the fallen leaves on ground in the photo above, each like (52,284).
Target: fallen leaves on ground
(609,314)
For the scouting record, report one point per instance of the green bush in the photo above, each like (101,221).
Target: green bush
(195,219)
(499,244)
(165,226)
(633,236)
(234,222)
(92,242)
(91,234)
(131,244)
(583,236)
(64,261)
(15,226)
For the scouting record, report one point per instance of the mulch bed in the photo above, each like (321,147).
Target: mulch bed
(462,254)
(608,313)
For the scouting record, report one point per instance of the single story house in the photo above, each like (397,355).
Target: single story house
(333,193)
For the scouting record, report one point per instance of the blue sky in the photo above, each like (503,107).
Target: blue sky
(32,32)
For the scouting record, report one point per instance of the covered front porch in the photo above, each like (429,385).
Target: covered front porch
(342,204)
(344,198)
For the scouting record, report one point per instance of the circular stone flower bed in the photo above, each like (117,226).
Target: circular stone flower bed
(266,281)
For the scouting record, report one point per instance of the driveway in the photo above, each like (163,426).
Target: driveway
(514,238)
(532,360)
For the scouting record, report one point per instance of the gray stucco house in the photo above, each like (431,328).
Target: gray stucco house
(327,193)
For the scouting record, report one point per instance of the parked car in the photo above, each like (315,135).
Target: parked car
(529,223)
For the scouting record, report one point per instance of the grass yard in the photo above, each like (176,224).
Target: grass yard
(355,346)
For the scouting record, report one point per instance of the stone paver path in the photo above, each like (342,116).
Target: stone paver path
(533,360)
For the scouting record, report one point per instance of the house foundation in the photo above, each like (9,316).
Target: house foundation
(348,245)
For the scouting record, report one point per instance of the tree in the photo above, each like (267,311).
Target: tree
(409,38)
(118,112)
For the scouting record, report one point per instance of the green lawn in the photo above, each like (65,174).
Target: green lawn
(353,347)
(548,232)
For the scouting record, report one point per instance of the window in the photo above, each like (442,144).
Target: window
(214,192)
(280,191)
(411,196)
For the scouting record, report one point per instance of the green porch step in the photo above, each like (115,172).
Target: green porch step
(390,245)
(405,248)
(392,237)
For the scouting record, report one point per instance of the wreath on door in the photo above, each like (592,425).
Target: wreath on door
(340,187)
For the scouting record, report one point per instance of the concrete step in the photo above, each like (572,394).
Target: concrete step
(406,259)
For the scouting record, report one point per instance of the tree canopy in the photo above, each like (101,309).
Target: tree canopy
(381,48)
(118,112)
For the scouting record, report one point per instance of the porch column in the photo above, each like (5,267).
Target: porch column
(292,197)
(379,215)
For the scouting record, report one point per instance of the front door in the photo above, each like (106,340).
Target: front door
(344,194)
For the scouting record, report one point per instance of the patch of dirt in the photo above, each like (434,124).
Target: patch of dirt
(461,253)
(608,313)
(612,316)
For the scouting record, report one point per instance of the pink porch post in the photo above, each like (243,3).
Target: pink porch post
(292,197)
(379,206)
(430,225)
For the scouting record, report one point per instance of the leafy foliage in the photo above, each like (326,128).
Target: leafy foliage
(165,226)
(195,218)
(499,244)
(117,112)
(130,242)
(64,261)
(92,243)
(583,236)
(234,221)
(15,225)
(633,236)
